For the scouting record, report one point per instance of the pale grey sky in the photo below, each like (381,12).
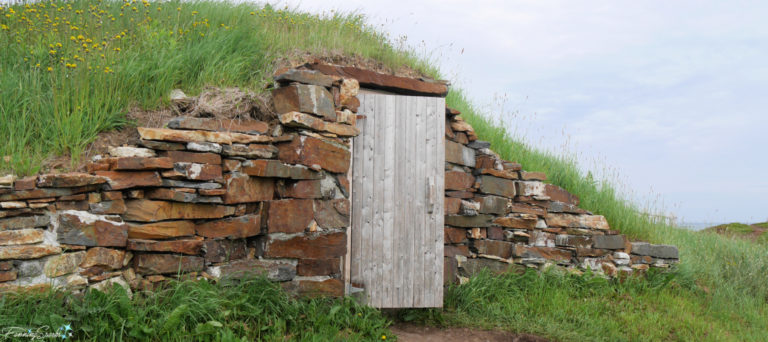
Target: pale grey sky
(672,95)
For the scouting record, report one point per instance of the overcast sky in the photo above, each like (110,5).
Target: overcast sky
(672,95)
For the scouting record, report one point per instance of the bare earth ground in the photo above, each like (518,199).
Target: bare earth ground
(417,333)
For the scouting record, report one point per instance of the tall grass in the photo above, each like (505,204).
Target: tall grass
(250,310)
(69,70)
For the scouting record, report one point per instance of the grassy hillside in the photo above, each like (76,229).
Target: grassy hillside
(756,232)
(70,70)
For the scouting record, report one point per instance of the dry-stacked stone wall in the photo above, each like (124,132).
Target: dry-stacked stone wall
(215,197)
(500,217)
(204,197)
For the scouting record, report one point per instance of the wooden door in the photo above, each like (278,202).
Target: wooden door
(398,173)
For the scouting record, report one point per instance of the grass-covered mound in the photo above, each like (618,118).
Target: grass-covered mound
(756,232)
(70,71)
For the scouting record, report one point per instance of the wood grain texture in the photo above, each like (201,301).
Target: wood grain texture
(397,211)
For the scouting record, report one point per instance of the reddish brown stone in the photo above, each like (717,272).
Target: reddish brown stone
(167,263)
(452,251)
(456,180)
(318,267)
(108,207)
(314,246)
(27,251)
(523,208)
(46,193)
(289,215)
(452,205)
(26,183)
(68,180)
(303,189)
(296,119)
(142,163)
(212,192)
(520,221)
(559,194)
(201,172)
(24,222)
(315,153)
(589,252)
(306,77)
(267,168)
(199,136)
(106,258)
(244,189)
(192,157)
(468,221)
(455,235)
(460,194)
(230,165)
(461,138)
(332,213)
(576,221)
(143,210)
(249,151)
(496,186)
(375,80)
(236,227)
(548,253)
(500,173)
(86,229)
(459,154)
(73,205)
(111,195)
(352,103)
(225,250)
(484,161)
(7,276)
(304,98)
(190,247)
(119,180)
(21,237)
(495,233)
(539,176)
(219,125)
(500,249)
(78,197)
(162,230)
(6,265)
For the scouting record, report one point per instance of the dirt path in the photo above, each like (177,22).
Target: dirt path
(417,333)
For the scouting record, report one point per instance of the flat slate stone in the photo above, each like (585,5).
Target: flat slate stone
(306,77)
(656,251)
(375,80)
(609,241)
(468,221)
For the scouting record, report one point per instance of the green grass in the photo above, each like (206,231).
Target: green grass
(255,309)
(71,70)
(588,308)
(718,292)
(761,224)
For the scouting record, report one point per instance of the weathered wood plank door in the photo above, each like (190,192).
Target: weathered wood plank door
(397,200)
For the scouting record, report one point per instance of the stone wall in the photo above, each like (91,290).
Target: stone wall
(212,197)
(500,217)
(204,197)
